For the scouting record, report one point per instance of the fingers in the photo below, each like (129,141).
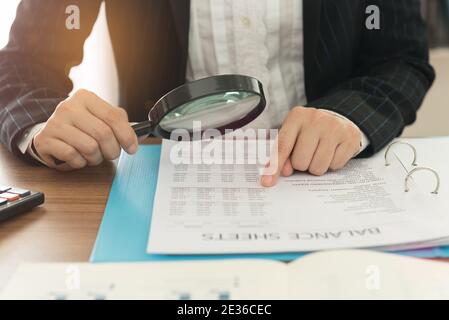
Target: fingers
(312,140)
(115,118)
(102,135)
(323,156)
(285,142)
(343,154)
(56,149)
(88,125)
(288,170)
(305,148)
(71,135)
(87,146)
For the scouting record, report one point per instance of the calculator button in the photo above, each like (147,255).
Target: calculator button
(20,192)
(3,201)
(4,188)
(9,196)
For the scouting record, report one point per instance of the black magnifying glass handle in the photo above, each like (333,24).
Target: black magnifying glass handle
(143,128)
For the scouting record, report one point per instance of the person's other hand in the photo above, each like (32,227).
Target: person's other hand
(312,140)
(83,131)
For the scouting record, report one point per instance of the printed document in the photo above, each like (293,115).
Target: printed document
(221,208)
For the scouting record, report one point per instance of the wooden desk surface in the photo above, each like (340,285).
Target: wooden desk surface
(62,230)
(65,227)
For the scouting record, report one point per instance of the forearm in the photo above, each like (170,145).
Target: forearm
(390,76)
(29,94)
(34,66)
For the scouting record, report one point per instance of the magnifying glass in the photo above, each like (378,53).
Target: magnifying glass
(219,102)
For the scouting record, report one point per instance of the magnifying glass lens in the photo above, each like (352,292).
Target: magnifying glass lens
(213,111)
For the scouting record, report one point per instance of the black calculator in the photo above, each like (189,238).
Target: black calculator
(14,201)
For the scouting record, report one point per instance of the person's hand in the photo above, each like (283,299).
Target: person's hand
(312,140)
(83,131)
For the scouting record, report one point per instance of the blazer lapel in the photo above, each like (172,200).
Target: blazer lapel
(181,16)
(311,26)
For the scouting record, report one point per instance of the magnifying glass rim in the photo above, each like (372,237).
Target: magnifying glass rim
(205,87)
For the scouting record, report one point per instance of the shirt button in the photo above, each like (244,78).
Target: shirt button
(246,22)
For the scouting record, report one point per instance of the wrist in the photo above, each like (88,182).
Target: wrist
(364,141)
(25,144)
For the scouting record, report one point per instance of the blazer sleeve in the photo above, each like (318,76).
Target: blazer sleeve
(35,64)
(391,76)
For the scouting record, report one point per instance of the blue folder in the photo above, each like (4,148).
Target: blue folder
(123,233)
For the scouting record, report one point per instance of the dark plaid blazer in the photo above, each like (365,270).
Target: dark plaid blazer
(376,78)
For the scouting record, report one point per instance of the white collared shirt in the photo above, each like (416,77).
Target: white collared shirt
(259,38)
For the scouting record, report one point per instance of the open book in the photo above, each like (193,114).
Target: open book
(326,275)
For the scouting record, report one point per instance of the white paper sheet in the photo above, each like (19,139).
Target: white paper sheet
(167,281)
(222,209)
